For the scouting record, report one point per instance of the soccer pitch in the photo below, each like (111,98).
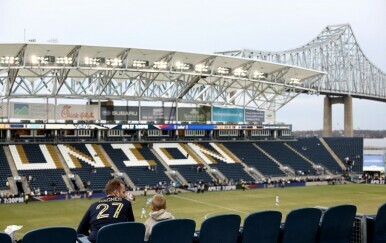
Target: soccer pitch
(367,198)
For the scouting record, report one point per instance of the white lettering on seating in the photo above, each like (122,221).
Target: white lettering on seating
(66,152)
(186,161)
(217,153)
(132,159)
(48,164)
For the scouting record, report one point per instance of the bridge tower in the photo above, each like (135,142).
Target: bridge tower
(348,115)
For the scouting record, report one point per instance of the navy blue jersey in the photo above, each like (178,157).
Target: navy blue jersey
(106,211)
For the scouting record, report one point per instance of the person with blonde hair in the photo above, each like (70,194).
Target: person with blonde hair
(159,213)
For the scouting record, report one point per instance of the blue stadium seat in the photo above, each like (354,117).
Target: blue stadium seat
(301,225)
(5,171)
(337,224)
(232,171)
(379,234)
(261,227)
(130,232)
(50,234)
(5,238)
(313,149)
(173,231)
(348,147)
(220,229)
(253,157)
(286,156)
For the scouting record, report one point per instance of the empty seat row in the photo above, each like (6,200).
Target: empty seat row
(307,225)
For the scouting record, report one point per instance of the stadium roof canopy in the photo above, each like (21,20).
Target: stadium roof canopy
(30,70)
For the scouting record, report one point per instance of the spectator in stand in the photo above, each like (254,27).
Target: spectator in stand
(112,209)
(159,213)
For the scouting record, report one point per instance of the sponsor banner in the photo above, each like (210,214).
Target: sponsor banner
(221,188)
(159,114)
(269,117)
(31,111)
(74,126)
(77,112)
(373,163)
(254,116)
(120,113)
(228,114)
(185,127)
(137,127)
(12,200)
(201,114)
(277,127)
(261,185)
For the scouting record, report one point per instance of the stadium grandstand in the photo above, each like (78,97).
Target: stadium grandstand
(75,116)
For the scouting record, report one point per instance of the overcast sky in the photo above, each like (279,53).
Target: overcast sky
(207,26)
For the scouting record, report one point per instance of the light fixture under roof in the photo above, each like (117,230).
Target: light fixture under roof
(63,60)
(201,68)
(160,65)
(42,59)
(140,63)
(260,75)
(9,60)
(115,62)
(184,66)
(223,70)
(93,61)
(294,80)
(240,72)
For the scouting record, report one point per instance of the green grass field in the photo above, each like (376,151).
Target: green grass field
(367,198)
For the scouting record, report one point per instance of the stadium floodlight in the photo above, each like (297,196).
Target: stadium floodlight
(9,60)
(294,80)
(184,66)
(260,75)
(223,70)
(63,60)
(201,68)
(115,62)
(240,72)
(42,59)
(93,61)
(140,63)
(160,65)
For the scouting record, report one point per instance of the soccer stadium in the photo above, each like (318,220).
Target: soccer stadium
(199,129)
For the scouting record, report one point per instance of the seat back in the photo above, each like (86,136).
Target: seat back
(5,238)
(130,232)
(379,235)
(337,224)
(261,227)
(301,225)
(220,229)
(50,234)
(173,231)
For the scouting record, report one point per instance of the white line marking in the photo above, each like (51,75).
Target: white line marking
(213,205)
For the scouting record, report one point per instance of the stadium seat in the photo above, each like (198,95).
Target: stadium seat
(261,227)
(301,225)
(220,229)
(50,234)
(337,224)
(379,233)
(5,238)
(130,232)
(173,231)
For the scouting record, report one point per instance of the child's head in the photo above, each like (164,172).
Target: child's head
(158,202)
